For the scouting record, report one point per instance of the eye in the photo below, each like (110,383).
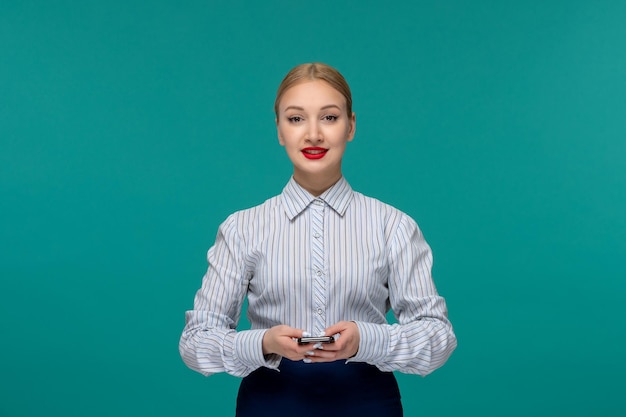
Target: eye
(295,119)
(330,118)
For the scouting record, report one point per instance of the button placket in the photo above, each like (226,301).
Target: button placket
(318,266)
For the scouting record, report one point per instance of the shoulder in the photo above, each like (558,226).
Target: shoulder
(373,205)
(391,218)
(252,217)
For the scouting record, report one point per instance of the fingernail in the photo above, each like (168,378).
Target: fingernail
(318,346)
(306,334)
(310,353)
(307,360)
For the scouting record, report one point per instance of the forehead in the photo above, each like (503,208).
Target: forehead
(312,93)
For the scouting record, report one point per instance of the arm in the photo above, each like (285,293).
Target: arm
(423,338)
(210,342)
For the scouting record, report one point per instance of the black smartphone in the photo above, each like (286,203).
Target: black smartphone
(319,339)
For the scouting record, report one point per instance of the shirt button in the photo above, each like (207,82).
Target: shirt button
(316,235)
(320,311)
(319,273)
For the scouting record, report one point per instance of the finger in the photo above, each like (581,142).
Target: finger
(323,357)
(299,333)
(335,328)
(293,332)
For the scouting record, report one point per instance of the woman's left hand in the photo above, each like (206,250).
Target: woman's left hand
(346,345)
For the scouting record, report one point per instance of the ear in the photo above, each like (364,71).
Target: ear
(352,127)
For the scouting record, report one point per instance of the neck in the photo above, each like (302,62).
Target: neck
(317,185)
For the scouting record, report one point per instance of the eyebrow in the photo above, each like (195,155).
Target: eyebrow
(328,106)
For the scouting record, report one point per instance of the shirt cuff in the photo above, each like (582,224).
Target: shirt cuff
(248,350)
(374,343)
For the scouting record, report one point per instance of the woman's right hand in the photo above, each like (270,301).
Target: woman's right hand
(279,340)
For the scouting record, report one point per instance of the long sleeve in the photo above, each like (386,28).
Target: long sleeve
(423,338)
(210,342)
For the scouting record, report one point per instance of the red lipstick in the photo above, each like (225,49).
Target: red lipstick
(314,152)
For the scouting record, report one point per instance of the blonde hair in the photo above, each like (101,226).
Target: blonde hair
(315,71)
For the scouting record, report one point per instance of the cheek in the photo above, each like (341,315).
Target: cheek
(282,135)
(288,134)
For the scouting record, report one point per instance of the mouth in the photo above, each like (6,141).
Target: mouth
(314,152)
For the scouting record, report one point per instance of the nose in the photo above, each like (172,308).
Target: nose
(314,133)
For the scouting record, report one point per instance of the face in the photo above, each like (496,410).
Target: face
(314,127)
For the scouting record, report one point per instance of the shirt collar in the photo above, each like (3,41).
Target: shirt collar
(295,198)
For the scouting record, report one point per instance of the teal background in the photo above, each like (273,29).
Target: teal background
(130,130)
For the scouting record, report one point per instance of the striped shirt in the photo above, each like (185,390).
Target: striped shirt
(310,262)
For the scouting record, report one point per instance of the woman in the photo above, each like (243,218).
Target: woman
(318,259)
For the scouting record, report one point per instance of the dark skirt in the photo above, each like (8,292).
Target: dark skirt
(319,390)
